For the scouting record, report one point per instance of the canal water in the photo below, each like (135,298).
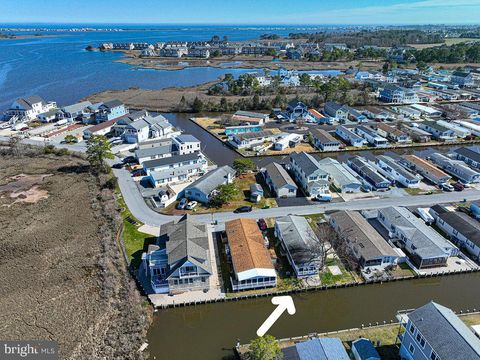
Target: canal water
(211,331)
(221,154)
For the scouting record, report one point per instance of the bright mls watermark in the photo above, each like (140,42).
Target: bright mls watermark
(34,349)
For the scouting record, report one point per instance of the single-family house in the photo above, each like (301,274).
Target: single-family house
(335,110)
(392,93)
(242,129)
(308,173)
(341,178)
(434,332)
(186,144)
(301,244)
(146,128)
(316,117)
(287,140)
(417,135)
(205,187)
(393,134)
(323,140)
(78,111)
(174,169)
(462,78)
(279,181)
(367,245)
(165,149)
(396,172)
(48,116)
(99,129)
(251,118)
(426,248)
(462,230)
(469,155)
(181,259)
(424,168)
(371,136)
(350,136)
(438,131)
(28,108)
(296,109)
(316,349)
(368,173)
(363,349)
(459,130)
(252,265)
(125,120)
(109,110)
(251,139)
(456,168)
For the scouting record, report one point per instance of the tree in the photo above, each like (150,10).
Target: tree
(182,105)
(216,53)
(271,52)
(197,105)
(243,165)
(98,149)
(264,348)
(224,194)
(70,139)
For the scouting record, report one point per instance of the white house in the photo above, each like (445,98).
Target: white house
(394,171)
(308,173)
(174,169)
(371,136)
(28,108)
(186,144)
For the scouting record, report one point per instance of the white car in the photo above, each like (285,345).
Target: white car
(191,205)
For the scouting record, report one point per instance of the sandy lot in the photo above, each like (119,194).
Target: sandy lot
(63,275)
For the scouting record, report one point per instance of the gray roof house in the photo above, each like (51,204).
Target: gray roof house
(323,140)
(425,247)
(279,181)
(456,168)
(340,176)
(301,244)
(202,189)
(367,245)
(308,173)
(181,260)
(434,332)
(316,349)
(469,155)
(463,230)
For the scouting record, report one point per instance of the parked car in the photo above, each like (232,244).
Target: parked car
(243,209)
(262,224)
(130,160)
(117,166)
(191,205)
(138,173)
(464,210)
(182,203)
(447,187)
(459,186)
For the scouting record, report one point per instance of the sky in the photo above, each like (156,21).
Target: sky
(256,12)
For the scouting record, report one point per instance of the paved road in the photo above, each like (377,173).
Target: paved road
(142,212)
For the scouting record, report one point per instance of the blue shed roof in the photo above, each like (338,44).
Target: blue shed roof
(365,349)
(322,349)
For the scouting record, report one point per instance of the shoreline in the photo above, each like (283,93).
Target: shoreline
(340,151)
(314,289)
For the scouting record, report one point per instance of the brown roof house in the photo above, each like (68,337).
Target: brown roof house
(251,260)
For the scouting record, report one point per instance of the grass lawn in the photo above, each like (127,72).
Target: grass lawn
(327,278)
(243,183)
(403,270)
(314,218)
(135,241)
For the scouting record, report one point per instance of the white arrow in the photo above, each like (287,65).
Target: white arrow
(283,303)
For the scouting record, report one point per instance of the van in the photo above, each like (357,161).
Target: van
(458,186)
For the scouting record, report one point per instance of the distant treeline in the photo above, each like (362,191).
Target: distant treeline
(459,53)
(382,38)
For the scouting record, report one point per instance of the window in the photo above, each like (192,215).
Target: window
(411,348)
(412,328)
(434,356)
(420,340)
